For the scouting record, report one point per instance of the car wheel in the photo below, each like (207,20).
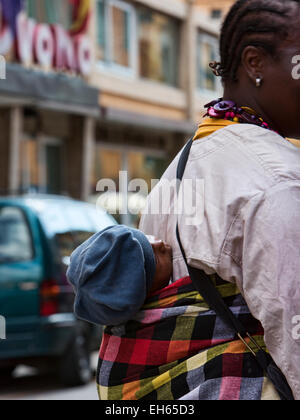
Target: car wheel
(75,367)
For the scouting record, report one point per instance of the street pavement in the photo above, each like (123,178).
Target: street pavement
(27,384)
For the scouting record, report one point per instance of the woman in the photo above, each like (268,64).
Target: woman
(250,235)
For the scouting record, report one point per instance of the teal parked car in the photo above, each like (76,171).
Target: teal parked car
(37,236)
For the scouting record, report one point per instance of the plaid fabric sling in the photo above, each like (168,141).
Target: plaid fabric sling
(177,348)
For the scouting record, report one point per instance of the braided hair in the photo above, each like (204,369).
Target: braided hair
(259,23)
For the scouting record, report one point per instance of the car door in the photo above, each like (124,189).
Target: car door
(21,269)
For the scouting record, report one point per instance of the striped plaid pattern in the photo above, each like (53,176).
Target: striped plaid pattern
(177,348)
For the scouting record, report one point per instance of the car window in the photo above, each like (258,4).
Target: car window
(68,242)
(15,237)
(67,216)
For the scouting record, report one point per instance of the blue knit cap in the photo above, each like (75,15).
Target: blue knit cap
(112,273)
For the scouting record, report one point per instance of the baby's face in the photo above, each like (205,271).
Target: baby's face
(164,263)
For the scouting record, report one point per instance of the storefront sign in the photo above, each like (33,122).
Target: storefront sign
(52,46)
(6,39)
(49,46)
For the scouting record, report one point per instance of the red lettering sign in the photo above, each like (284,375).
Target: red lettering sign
(25,32)
(52,46)
(64,49)
(43,46)
(6,39)
(83,54)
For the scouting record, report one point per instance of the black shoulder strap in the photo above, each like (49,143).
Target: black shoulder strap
(204,285)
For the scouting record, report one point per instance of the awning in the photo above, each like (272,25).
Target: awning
(146,121)
(55,91)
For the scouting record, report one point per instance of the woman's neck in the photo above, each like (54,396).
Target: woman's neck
(249,100)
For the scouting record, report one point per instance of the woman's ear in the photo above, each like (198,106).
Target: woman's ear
(253,61)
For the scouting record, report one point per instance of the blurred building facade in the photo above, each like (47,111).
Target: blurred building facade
(48,108)
(122,90)
(214,10)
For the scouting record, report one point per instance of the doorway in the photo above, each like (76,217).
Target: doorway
(51,165)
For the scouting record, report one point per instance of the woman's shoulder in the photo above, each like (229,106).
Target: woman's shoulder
(246,147)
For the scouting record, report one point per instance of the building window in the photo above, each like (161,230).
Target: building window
(42,163)
(50,11)
(216,14)
(51,159)
(158,38)
(128,35)
(29,165)
(116,34)
(207,51)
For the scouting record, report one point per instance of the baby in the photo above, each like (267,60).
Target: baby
(114,271)
(164,263)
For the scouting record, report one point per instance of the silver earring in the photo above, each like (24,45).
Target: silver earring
(258,81)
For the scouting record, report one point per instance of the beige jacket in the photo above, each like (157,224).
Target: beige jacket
(250,232)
